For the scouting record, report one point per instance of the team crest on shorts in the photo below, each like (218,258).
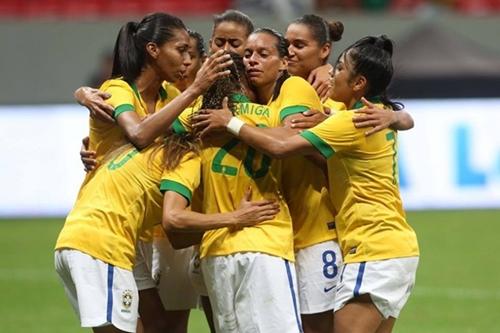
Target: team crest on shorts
(126,300)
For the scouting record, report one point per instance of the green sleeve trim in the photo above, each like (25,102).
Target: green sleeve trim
(170,185)
(319,144)
(289,110)
(178,128)
(122,108)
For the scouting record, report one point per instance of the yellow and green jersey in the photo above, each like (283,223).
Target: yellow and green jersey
(228,168)
(105,137)
(120,202)
(304,183)
(363,178)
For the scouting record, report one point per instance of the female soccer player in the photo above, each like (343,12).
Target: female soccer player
(95,250)
(318,255)
(380,248)
(248,273)
(147,54)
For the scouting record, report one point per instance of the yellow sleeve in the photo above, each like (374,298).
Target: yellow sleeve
(335,134)
(296,96)
(184,179)
(122,98)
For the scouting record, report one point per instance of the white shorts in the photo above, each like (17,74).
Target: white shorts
(196,275)
(171,273)
(143,266)
(318,270)
(252,292)
(388,282)
(101,294)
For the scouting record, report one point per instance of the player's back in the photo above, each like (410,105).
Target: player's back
(229,168)
(115,206)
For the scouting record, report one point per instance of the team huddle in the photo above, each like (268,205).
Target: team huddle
(257,180)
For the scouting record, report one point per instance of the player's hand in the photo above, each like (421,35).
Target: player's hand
(310,118)
(252,212)
(87,156)
(210,120)
(321,80)
(374,117)
(95,101)
(212,69)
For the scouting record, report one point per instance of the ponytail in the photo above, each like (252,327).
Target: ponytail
(130,53)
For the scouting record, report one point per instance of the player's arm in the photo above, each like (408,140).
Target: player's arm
(180,222)
(276,142)
(142,132)
(379,119)
(309,118)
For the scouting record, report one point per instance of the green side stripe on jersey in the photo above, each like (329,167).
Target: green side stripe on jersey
(122,108)
(289,110)
(170,185)
(319,144)
(177,127)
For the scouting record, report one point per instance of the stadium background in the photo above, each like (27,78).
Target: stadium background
(448,74)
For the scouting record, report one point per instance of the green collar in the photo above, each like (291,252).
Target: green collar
(359,104)
(162,92)
(136,91)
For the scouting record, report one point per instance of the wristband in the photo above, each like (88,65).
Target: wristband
(234,126)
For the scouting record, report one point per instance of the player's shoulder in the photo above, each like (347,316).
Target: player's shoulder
(116,83)
(296,82)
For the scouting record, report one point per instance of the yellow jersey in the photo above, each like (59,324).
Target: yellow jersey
(304,183)
(334,106)
(228,168)
(120,202)
(363,177)
(105,137)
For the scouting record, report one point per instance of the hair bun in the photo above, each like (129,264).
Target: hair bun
(384,43)
(336,29)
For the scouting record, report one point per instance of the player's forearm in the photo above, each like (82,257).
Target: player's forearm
(182,220)
(403,121)
(146,131)
(270,141)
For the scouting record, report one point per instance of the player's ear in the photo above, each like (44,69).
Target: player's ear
(360,83)
(153,50)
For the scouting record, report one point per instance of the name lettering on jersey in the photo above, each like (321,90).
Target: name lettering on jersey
(252,109)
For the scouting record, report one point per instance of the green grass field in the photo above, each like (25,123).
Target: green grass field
(458,283)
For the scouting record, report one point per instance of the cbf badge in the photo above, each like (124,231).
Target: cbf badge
(126,300)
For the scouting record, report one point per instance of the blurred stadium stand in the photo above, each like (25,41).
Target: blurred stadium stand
(50,47)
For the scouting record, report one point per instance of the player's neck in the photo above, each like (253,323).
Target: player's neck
(148,84)
(265,92)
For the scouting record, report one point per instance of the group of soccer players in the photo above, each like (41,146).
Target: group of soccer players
(259,177)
